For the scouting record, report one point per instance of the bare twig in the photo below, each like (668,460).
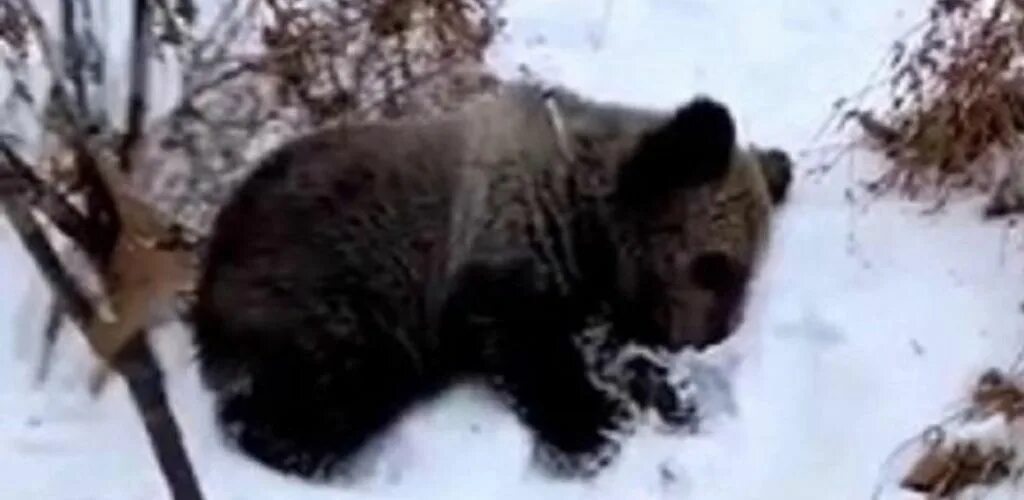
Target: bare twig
(224,76)
(224,30)
(73,56)
(54,320)
(20,178)
(141,40)
(34,239)
(42,38)
(142,373)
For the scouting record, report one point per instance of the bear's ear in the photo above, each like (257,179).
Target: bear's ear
(777,168)
(692,148)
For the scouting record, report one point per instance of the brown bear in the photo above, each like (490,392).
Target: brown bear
(368,266)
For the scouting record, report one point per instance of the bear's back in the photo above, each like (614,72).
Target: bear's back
(389,209)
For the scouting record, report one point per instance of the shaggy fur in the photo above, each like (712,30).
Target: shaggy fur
(367,266)
(734,232)
(722,231)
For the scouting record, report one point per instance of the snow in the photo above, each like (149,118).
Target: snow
(868,322)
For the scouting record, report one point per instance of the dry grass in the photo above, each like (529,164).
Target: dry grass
(956,94)
(363,57)
(949,465)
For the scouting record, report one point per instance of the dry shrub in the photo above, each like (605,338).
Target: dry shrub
(947,472)
(359,56)
(268,70)
(955,91)
(951,464)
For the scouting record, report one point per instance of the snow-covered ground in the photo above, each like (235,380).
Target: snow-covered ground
(868,322)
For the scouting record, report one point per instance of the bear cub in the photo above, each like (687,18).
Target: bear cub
(363,268)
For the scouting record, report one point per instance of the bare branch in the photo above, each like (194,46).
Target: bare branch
(20,178)
(38,30)
(141,372)
(73,55)
(141,41)
(34,239)
(223,77)
(224,30)
(54,320)
(51,56)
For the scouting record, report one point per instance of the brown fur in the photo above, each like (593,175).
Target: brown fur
(367,266)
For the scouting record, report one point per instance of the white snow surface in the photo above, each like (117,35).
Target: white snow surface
(868,322)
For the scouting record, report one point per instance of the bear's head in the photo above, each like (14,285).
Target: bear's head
(678,287)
